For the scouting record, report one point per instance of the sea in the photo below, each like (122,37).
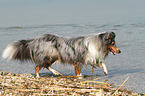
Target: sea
(26,19)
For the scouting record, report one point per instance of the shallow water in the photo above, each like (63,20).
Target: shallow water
(21,19)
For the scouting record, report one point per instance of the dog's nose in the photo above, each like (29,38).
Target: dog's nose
(119,51)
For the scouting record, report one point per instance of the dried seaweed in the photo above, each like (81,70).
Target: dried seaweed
(27,84)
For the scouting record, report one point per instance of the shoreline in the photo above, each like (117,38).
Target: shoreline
(27,84)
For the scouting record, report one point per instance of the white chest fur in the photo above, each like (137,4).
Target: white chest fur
(95,52)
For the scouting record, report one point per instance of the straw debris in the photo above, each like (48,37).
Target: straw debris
(27,84)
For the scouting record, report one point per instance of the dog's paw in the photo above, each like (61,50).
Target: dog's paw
(106,73)
(56,73)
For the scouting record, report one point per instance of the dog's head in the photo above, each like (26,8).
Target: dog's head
(110,43)
(109,40)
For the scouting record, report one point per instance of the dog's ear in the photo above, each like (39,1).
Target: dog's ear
(107,37)
(110,37)
(102,35)
(112,34)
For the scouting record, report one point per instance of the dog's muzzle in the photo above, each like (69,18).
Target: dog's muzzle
(114,51)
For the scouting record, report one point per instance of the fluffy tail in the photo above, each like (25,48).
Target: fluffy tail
(18,51)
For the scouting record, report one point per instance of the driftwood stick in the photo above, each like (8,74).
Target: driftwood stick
(120,86)
(93,66)
(92,72)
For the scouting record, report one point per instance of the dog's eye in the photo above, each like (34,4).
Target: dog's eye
(113,43)
(109,41)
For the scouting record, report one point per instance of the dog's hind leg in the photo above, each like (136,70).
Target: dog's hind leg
(53,71)
(105,69)
(50,62)
(37,68)
(77,70)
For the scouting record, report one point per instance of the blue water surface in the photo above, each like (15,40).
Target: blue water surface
(23,19)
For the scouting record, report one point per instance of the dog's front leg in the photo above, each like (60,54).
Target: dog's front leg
(105,69)
(102,65)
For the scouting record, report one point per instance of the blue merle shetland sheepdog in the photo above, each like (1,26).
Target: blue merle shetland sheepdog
(45,50)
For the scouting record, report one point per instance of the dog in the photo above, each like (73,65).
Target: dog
(45,50)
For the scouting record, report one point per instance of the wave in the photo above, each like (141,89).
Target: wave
(94,26)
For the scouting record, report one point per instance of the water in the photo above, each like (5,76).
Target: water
(21,19)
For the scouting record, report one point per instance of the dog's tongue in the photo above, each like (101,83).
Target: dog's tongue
(112,51)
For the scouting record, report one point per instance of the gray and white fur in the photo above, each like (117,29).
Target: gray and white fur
(45,50)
